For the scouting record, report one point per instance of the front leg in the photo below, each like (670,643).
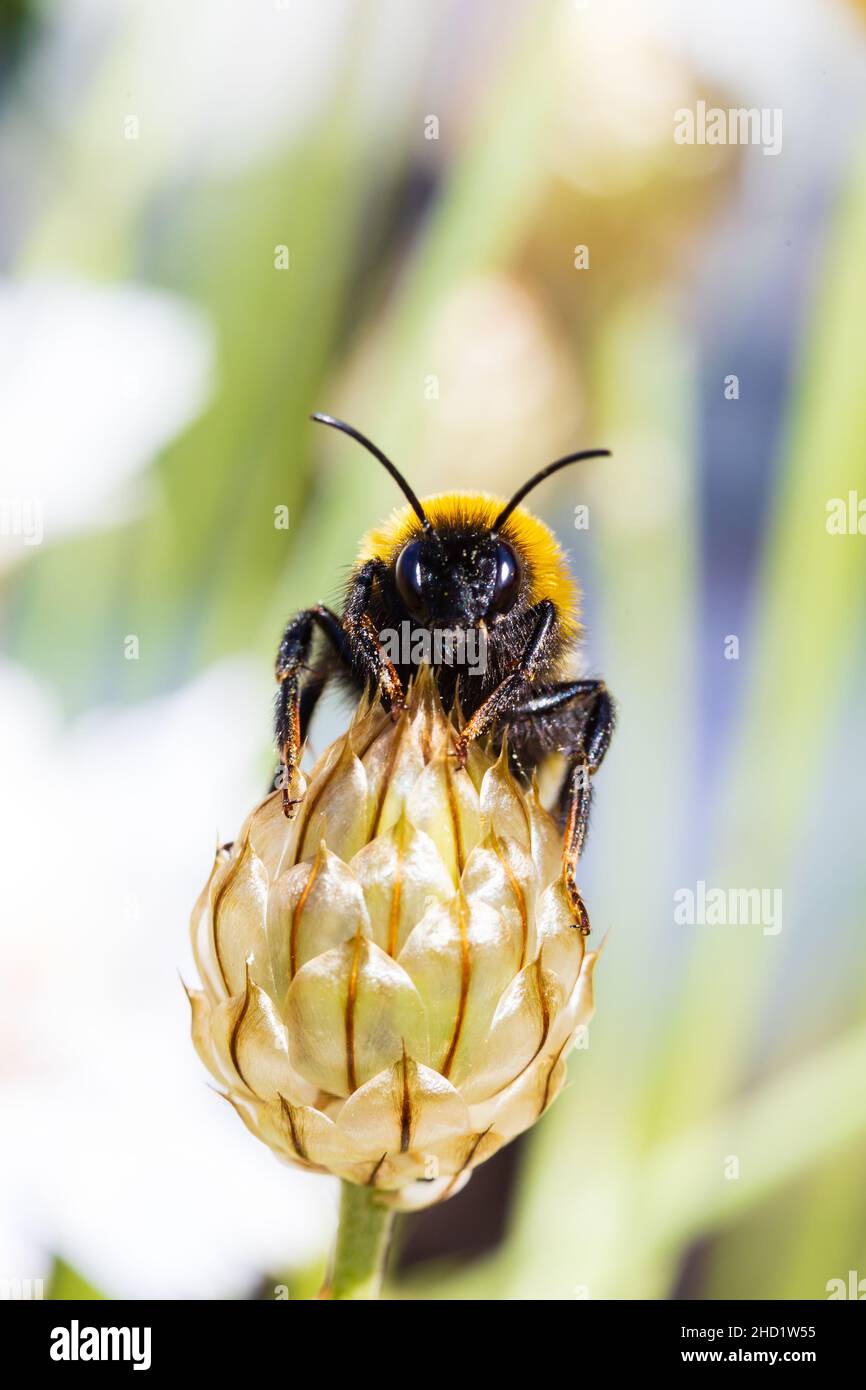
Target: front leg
(360,630)
(356,645)
(292,657)
(576,718)
(504,699)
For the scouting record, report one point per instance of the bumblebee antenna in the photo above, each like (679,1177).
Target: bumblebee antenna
(539,478)
(377,453)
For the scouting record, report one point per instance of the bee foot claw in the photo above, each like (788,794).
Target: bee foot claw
(578,907)
(290,805)
(460,751)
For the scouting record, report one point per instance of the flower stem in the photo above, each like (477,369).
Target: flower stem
(363,1235)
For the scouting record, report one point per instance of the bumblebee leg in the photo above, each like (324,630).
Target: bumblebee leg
(311,693)
(294,706)
(575,796)
(502,701)
(356,645)
(360,630)
(554,698)
(577,717)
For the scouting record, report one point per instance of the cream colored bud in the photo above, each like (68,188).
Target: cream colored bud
(392,981)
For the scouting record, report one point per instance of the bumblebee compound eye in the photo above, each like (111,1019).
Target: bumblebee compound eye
(507,583)
(408,576)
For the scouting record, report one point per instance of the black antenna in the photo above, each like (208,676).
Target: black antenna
(377,453)
(539,478)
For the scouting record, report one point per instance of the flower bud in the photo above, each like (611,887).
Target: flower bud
(392,979)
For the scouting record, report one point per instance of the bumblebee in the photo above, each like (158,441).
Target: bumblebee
(464,564)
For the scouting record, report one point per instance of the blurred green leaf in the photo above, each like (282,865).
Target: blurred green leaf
(66,1283)
(803,646)
(189,577)
(611,1232)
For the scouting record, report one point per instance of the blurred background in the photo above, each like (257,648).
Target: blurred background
(469,230)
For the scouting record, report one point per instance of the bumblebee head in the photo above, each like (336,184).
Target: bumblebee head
(463,559)
(457,574)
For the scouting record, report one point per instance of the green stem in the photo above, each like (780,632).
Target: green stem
(363,1234)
